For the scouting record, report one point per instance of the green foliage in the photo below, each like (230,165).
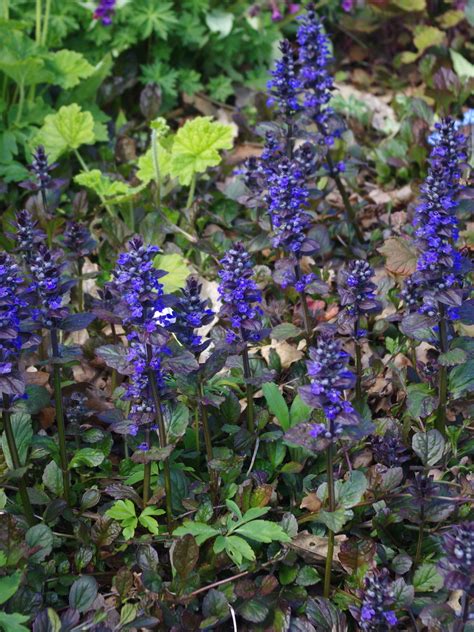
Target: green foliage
(124,512)
(65,131)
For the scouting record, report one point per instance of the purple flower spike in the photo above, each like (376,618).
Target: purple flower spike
(457,564)
(357,292)
(191,313)
(105,11)
(284,85)
(376,611)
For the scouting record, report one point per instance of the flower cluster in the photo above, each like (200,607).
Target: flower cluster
(78,239)
(240,296)
(329,378)
(136,281)
(315,79)
(49,287)
(105,11)
(357,292)
(41,169)
(377,596)
(11,305)
(439,262)
(457,565)
(284,85)
(27,235)
(389,450)
(191,313)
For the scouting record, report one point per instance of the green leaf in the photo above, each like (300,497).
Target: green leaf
(220,22)
(23,433)
(307,576)
(102,185)
(12,622)
(285,331)
(462,67)
(149,16)
(39,537)
(196,147)
(66,130)
(352,490)
(426,36)
(452,357)
(53,479)
(263,531)
(254,610)
(427,579)
(121,510)
(410,5)
(83,593)
(299,411)
(461,379)
(238,549)
(276,404)
(9,585)
(87,456)
(177,268)
(421,400)
(429,446)
(199,530)
(334,520)
(68,68)
(146,170)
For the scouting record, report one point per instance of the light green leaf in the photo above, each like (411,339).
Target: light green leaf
(196,147)
(121,510)
(220,22)
(177,268)
(299,411)
(66,130)
(238,549)
(427,579)
(146,170)
(276,404)
(199,530)
(9,585)
(263,531)
(427,36)
(429,446)
(87,456)
(410,5)
(23,433)
(52,478)
(149,16)
(352,490)
(13,622)
(102,185)
(462,67)
(68,68)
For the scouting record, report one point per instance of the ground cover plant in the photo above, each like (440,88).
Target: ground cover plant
(236,326)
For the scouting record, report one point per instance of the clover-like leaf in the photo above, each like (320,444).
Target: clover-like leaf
(66,130)
(196,147)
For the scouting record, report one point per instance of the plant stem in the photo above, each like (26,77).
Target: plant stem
(419,543)
(249,389)
(80,285)
(440,422)
(44,34)
(208,443)
(6,10)
(21,102)
(162,438)
(146,474)
(10,435)
(38,22)
(58,402)
(306,315)
(192,189)
(332,507)
(358,362)
(350,212)
(156,166)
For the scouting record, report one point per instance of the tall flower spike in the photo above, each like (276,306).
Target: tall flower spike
(50,287)
(376,611)
(457,564)
(27,235)
(191,313)
(284,85)
(240,296)
(78,239)
(357,292)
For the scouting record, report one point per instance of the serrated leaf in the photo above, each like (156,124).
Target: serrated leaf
(452,357)
(461,379)
(66,130)
(351,491)
(146,170)
(196,147)
(199,530)
(13,622)
(400,255)
(238,549)
(285,331)
(68,68)
(429,446)
(9,585)
(102,185)
(334,520)
(263,531)
(121,510)
(148,17)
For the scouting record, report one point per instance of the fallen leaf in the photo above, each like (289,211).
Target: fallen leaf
(288,353)
(401,256)
(315,548)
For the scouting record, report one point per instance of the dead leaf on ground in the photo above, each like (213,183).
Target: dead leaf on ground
(311,502)
(314,548)
(287,353)
(401,256)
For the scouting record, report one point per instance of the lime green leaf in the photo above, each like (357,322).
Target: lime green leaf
(9,585)
(121,510)
(199,530)
(263,531)
(149,16)
(68,68)
(196,147)
(410,5)
(408,57)
(176,267)
(102,185)
(450,18)
(462,67)
(146,170)
(276,404)
(12,622)
(427,579)
(66,130)
(426,36)
(238,549)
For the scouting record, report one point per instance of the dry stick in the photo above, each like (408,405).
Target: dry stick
(332,507)
(248,375)
(10,435)
(440,422)
(58,403)
(162,438)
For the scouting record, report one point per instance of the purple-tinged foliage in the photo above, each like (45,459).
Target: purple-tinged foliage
(40,168)
(240,296)
(315,78)
(136,281)
(27,235)
(457,563)
(49,287)
(284,85)
(105,11)
(357,292)
(376,612)
(439,262)
(78,239)
(389,450)
(191,312)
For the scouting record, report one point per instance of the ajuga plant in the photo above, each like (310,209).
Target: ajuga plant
(136,282)
(105,11)
(78,243)
(439,276)
(377,598)
(357,293)
(241,300)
